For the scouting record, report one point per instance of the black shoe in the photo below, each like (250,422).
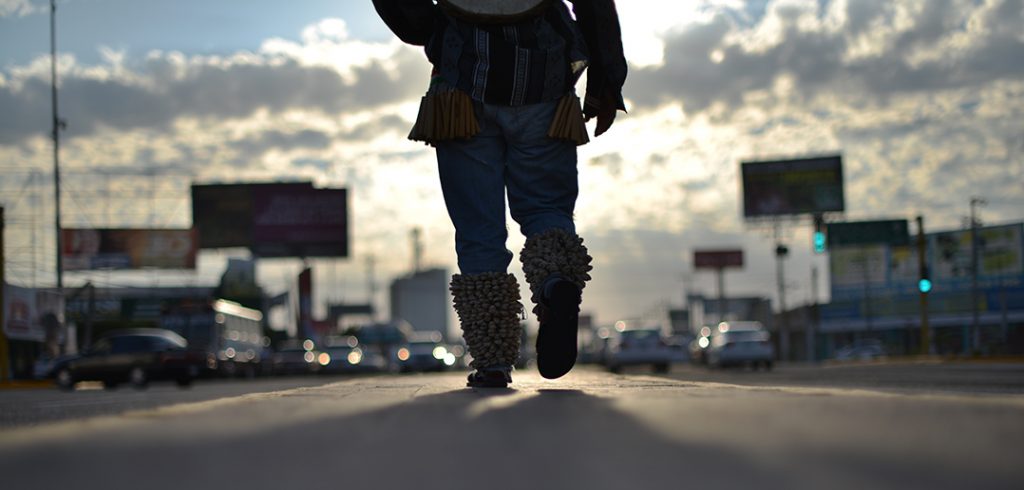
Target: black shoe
(489,378)
(559,316)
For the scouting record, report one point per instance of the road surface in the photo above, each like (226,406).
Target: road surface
(590,430)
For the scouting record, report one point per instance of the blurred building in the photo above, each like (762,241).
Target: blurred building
(976,302)
(422,300)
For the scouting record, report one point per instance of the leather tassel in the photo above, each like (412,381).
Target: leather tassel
(568,122)
(445,115)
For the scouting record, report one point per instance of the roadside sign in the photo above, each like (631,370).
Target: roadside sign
(717,259)
(893,232)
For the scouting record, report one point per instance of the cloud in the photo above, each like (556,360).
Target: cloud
(169,87)
(869,48)
(19,8)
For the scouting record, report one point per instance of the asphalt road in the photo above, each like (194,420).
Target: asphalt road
(891,376)
(786,429)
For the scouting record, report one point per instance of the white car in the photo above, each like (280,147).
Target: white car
(640,346)
(740,347)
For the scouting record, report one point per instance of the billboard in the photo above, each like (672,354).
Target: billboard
(858,266)
(791,187)
(90,249)
(999,253)
(272,220)
(31,314)
(717,259)
(893,270)
(299,223)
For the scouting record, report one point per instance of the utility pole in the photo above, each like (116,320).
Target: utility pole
(812,318)
(781,251)
(416,235)
(975,342)
(371,285)
(922,266)
(5,358)
(722,307)
(58,125)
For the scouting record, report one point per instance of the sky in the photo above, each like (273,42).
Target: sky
(924,99)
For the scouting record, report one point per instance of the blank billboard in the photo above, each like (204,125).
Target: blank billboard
(792,187)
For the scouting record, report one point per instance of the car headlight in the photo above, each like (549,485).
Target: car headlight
(440,352)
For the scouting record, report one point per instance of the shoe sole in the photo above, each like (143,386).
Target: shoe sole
(556,340)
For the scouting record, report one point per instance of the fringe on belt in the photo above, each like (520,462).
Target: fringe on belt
(448,115)
(568,122)
(445,115)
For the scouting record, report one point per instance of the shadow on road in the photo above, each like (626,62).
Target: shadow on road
(461,439)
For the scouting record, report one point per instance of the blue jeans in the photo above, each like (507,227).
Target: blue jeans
(513,154)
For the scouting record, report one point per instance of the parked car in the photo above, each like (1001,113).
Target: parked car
(639,346)
(297,357)
(741,344)
(135,356)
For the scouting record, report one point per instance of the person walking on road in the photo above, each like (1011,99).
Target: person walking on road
(502,114)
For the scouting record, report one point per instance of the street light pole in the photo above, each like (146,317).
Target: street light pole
(57,126)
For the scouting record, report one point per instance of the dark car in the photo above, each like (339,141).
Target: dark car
(135,356)
(298,357)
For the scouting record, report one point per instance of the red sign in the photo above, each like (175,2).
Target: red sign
(717,259)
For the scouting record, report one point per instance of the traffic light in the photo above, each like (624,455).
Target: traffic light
(925,284)
(819,234)
(819,242)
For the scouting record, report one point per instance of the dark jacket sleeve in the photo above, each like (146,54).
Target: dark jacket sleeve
(599,22)
(411,20)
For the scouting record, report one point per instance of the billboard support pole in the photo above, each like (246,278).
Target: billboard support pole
(922,264)
(721,293)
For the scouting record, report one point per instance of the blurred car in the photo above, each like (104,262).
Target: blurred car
(741,344)
(424,352)
(345,356)
(679,345)
(135,356)
(297,357)
(868,351)
(639,346)
(384,339)
(698,347)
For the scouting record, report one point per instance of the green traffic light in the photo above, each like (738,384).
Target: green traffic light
(819,242)
(924,285)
